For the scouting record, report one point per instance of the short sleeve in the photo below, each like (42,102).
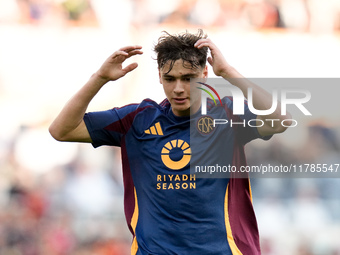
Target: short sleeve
(108,127)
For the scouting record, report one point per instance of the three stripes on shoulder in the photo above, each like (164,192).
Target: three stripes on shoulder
(154,130)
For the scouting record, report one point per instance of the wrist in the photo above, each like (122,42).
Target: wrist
(99,78)
(230,72)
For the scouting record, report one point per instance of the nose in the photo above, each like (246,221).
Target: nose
(179,87)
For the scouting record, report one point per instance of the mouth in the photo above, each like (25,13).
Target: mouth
(180,100)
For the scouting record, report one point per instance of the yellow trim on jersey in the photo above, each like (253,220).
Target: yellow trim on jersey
(231,240)
(134,220)
(250,193)
(134,246)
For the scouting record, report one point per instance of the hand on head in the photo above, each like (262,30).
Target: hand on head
(216,60)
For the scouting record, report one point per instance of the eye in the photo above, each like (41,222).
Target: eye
(168,79)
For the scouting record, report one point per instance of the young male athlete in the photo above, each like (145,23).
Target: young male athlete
(168,209)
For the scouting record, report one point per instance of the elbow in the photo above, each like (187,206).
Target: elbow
(284,124)
(55,133)
(274,124)
(283,127)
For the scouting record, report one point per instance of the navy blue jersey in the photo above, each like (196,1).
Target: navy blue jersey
(169,210)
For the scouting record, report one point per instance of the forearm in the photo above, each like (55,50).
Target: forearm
(261,99)
(69,124)
(73,112)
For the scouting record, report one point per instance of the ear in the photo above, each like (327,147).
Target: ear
(205,72)
(160,76)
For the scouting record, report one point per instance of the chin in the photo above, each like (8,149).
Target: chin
(182,111)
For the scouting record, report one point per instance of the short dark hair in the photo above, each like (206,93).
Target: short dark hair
(181,46)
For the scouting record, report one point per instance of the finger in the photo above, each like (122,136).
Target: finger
(202,43)
(131,48)
(135,52)
(130,68)
(203,40)
(119,53)
(122,55)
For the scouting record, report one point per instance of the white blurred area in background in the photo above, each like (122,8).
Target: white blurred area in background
(71,195)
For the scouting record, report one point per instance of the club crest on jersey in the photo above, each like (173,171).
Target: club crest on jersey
(205,125)
(176,154)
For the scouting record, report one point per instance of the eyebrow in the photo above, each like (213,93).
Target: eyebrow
(188,75)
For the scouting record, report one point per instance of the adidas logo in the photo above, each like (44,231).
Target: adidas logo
(154,130)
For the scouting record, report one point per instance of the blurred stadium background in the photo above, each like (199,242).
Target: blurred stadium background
(60,198)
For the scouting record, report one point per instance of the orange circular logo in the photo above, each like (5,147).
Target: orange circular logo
(179,147)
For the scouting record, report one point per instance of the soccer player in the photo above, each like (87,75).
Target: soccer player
(168,209)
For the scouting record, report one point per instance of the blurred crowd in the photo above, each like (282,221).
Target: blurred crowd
(71,207)
(302,214)
(63,199)
(303,15)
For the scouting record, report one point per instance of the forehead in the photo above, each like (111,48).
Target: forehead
(179,67)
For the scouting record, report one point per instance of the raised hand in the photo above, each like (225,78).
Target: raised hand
(216,60)
(112,69)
